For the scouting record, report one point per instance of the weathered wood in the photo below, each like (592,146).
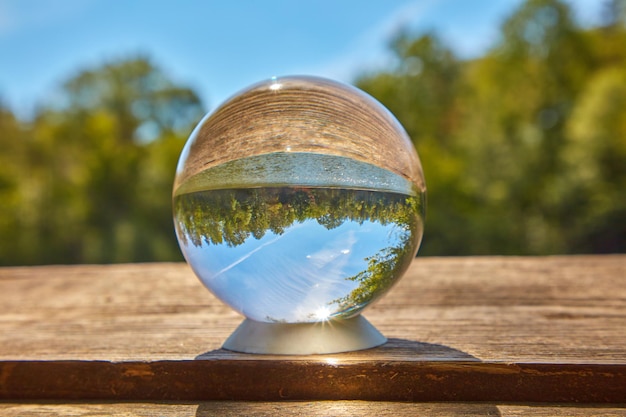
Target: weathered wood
(297,408)
(313,379)
(461,329)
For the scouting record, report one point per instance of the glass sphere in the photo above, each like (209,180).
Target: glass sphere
(298,200)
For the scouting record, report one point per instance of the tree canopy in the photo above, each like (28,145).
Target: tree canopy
(513,138)
(89,179)
(523,147)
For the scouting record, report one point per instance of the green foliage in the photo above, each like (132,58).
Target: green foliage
(386,266)
(516,128)
(523,148)
(231,217)
(82,182)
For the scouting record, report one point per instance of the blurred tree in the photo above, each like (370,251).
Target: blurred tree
(523,148)
(144,102)
(96,183)
(498,135)
(595,175)
(13,214)
(518,99)
(422,91)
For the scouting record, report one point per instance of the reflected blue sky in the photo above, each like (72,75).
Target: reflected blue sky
(219,47)
(294,273)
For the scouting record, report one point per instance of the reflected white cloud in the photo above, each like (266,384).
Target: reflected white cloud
(249,254)
(332,253)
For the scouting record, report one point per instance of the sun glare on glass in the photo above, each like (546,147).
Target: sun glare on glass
(323,313)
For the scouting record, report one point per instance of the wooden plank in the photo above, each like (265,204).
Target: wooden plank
(301,408)
(555,309)
(314,379)
(461,329)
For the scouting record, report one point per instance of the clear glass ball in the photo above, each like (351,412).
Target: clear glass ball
(299,199)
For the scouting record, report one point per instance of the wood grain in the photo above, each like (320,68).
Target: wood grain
(300,408)
(460,329)
(302,114)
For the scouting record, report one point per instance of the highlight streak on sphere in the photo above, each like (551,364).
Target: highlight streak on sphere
(300,199)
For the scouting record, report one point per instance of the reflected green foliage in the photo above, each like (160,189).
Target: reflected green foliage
(232,216)
(388,265)
(523,148)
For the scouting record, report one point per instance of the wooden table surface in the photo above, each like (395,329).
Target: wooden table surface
(471,336)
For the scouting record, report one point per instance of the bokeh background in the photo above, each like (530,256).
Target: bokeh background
(517,109)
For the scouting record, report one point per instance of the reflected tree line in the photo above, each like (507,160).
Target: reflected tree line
(230,217)
(388,265)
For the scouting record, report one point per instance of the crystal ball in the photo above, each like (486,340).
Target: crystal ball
(300,199)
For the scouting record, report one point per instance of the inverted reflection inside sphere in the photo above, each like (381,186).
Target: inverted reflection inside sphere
(299,200)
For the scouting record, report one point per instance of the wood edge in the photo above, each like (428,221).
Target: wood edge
(270,380)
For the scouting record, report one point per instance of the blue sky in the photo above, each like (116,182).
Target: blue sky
(220,47)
